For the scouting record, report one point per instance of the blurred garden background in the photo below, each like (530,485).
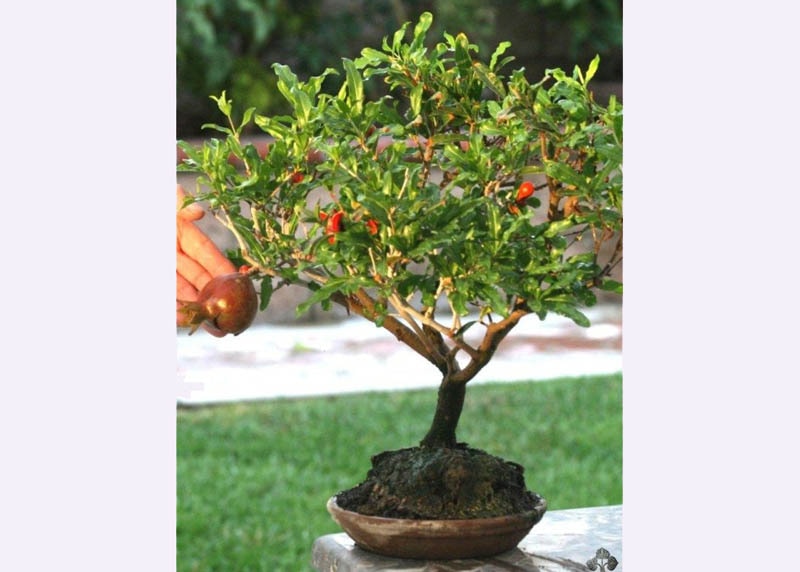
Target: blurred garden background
(230,44)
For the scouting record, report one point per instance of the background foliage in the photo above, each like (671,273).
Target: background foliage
(231,44)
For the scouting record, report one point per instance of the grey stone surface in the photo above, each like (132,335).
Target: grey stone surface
(565,540)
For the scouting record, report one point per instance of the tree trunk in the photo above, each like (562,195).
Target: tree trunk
(448,411)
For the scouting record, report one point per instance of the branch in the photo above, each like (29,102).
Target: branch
(553,212)
(491,340)
(228,223)
(398,305)
(615,256)
(436,326)
(363,305)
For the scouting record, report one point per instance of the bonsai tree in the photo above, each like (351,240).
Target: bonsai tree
(444,212)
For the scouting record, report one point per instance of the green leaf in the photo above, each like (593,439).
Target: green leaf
(320,295)
(495,225)
(193,154)
(563,173)
(490,79)
(577,73)
(246,117)
(531,170)
(266,293)
(415,98)
(611,286)
(303,106)
(397,39)
(572,313)
(344,284)
(286,81)
(425,21)
(593,65)
(463,60)
(371,56)
(559,226)
(223,103)
(215,127)
(273,126)
(462,330)
(499,51)
(355,85)
(582,258)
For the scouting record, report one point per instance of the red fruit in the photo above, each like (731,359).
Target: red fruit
(228,304)
(334,225)
(525,190)
(335,222)
(372,226)
(297,177)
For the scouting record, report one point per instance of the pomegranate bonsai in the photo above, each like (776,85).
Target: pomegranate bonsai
(445,207)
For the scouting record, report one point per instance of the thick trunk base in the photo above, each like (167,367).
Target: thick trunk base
(449,404)
(440,483)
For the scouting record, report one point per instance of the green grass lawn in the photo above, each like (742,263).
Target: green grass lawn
(253,478)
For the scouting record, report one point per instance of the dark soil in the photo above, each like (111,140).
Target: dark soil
(440,483)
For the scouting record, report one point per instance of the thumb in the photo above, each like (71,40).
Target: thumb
(191,212)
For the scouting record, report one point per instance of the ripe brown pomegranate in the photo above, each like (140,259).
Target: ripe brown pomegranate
(227,304)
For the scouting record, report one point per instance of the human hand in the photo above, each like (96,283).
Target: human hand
(198,259)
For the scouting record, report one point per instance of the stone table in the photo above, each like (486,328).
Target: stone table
(564,540)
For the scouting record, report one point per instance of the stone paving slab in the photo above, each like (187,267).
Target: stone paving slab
(271,361)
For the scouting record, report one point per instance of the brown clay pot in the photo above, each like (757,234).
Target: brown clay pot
(436,539)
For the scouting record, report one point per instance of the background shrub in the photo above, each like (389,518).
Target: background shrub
(231,44)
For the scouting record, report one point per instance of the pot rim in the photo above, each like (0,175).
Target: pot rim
(534,515)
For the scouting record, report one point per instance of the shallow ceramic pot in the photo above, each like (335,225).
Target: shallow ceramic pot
(436,539)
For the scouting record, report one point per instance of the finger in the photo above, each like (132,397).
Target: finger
(185,290)
(192,272)
(191,212)
(195,244)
